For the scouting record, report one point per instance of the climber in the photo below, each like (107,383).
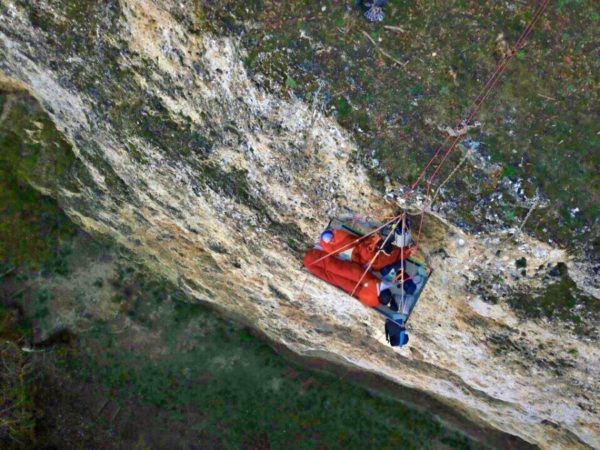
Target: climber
(346,275)
(395,333)
(374,264)
(362,252)
(373,9)
(397,301)
(400,239)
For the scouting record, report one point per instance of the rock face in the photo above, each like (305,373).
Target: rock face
(219,186)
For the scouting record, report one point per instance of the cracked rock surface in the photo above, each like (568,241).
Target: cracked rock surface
(181,158)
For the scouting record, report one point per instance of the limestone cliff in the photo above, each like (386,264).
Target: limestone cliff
(219,186)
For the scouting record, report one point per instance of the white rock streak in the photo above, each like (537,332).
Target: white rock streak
(510,388)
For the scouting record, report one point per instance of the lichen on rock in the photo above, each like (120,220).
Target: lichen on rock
(205,176)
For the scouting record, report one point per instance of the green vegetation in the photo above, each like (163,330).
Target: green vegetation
(32,150)
(233,183)
(205,374)
(16,391)
(184,358)
(159,350)
(33,231)
(539,125)
(562,301)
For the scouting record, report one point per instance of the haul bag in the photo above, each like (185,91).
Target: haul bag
(395,333)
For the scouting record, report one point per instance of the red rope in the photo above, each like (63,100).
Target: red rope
(356,241)
(423,214)
(483,95)
(503,65)
(473,110)
(476,105)
(381,247)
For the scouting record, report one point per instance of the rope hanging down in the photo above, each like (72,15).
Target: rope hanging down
(476,105)
(472,112)
(390,234)
(474,109)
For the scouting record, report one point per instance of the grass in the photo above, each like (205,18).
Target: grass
(562,301)
(17,417)
(245,392)
(32,225)
(178,357)
(538,126)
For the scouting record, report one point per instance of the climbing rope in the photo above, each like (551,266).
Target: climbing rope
(483,95)
(473,109)
(353,243)
(381,247)
(488,88)
(443,183)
